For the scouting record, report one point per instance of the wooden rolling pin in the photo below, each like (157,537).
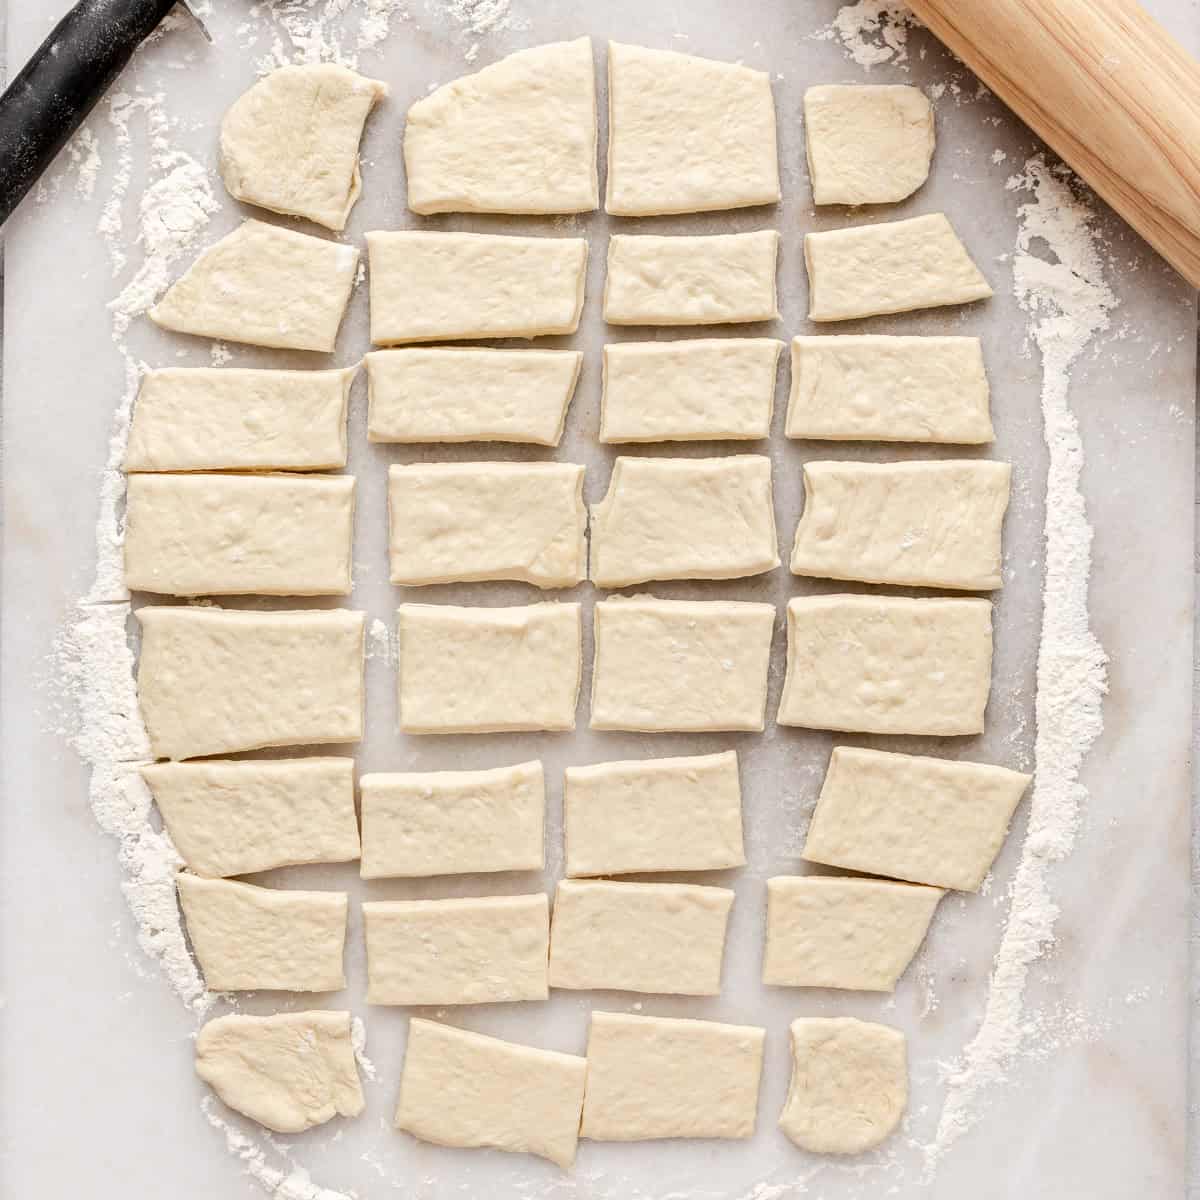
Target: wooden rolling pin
(1108,88)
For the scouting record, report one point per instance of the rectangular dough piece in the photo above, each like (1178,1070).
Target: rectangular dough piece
(436,287)
(714,279)
(460,522)
(663,938)
(897,266)
(922,524)
(470,394)
(887,664)
(453,822)
(655,814)
(664,1077)
(235,535)
(472,950)
(488,670)
(922,819)
(684,518)
(464,1089)
(874,388)
(687,666)
(216,681)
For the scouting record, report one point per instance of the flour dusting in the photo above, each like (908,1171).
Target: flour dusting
(873,32)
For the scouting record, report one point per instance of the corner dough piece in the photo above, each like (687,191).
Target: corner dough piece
(265,286)
(465,394)
(453,822)
(922,819)
(688,666)
(687,134)
(833,932)
(436,287)
(661,1077)
(289,1071)
(488,670)
(710,280)
(463,1089)
(517,137)
(216,681)
(264,939)
(923,524)
(867,270)
(887,664)
(461,522)
(870,388)
(477,950)
(664,938)
(655,814)
(849,1084)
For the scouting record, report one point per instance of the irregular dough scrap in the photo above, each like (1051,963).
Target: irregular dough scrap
(517,137)
(922,819)
(463,1089)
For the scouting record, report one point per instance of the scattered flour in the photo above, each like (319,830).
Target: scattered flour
(873,32)
(380,644)
(358,1040)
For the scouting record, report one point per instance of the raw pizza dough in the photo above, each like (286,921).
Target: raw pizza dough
(517,137)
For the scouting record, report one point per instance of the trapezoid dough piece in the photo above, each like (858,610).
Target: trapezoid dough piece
(922,819)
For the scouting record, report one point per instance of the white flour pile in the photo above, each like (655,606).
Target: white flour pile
(873,32)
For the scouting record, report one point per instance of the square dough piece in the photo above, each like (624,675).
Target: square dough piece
(661,1077)
(453,822)
(663,938)
(231,535)
(922,819)
(688,666)
(463,1089)
(709,280)
(460,522)
(488,670)
(216,681)
(687,134)
(436,287)
(654,814)
(867,270)
(474,950)
(887,664)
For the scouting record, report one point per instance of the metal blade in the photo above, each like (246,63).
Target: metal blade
(196,17)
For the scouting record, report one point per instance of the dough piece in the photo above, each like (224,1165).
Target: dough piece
(866,270)
(460,522)
(202,419)
(517,137)
(849,1084)
(289,1071)
(468,394)
(477,950)
(711,280)
(488,670)
(835,932)
(868,388)
(666,938)
(661,1077)
(687,134)
(234,818)
(463,1089)
(702,390)
(867,144)
(923,819)
(290,143)
(454,822)
(655,814)
(435,287)
(230,535)
(924,524)
(266,286)
(684,518)
(689,666)
(264,939)
(216,681)
(887,664)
